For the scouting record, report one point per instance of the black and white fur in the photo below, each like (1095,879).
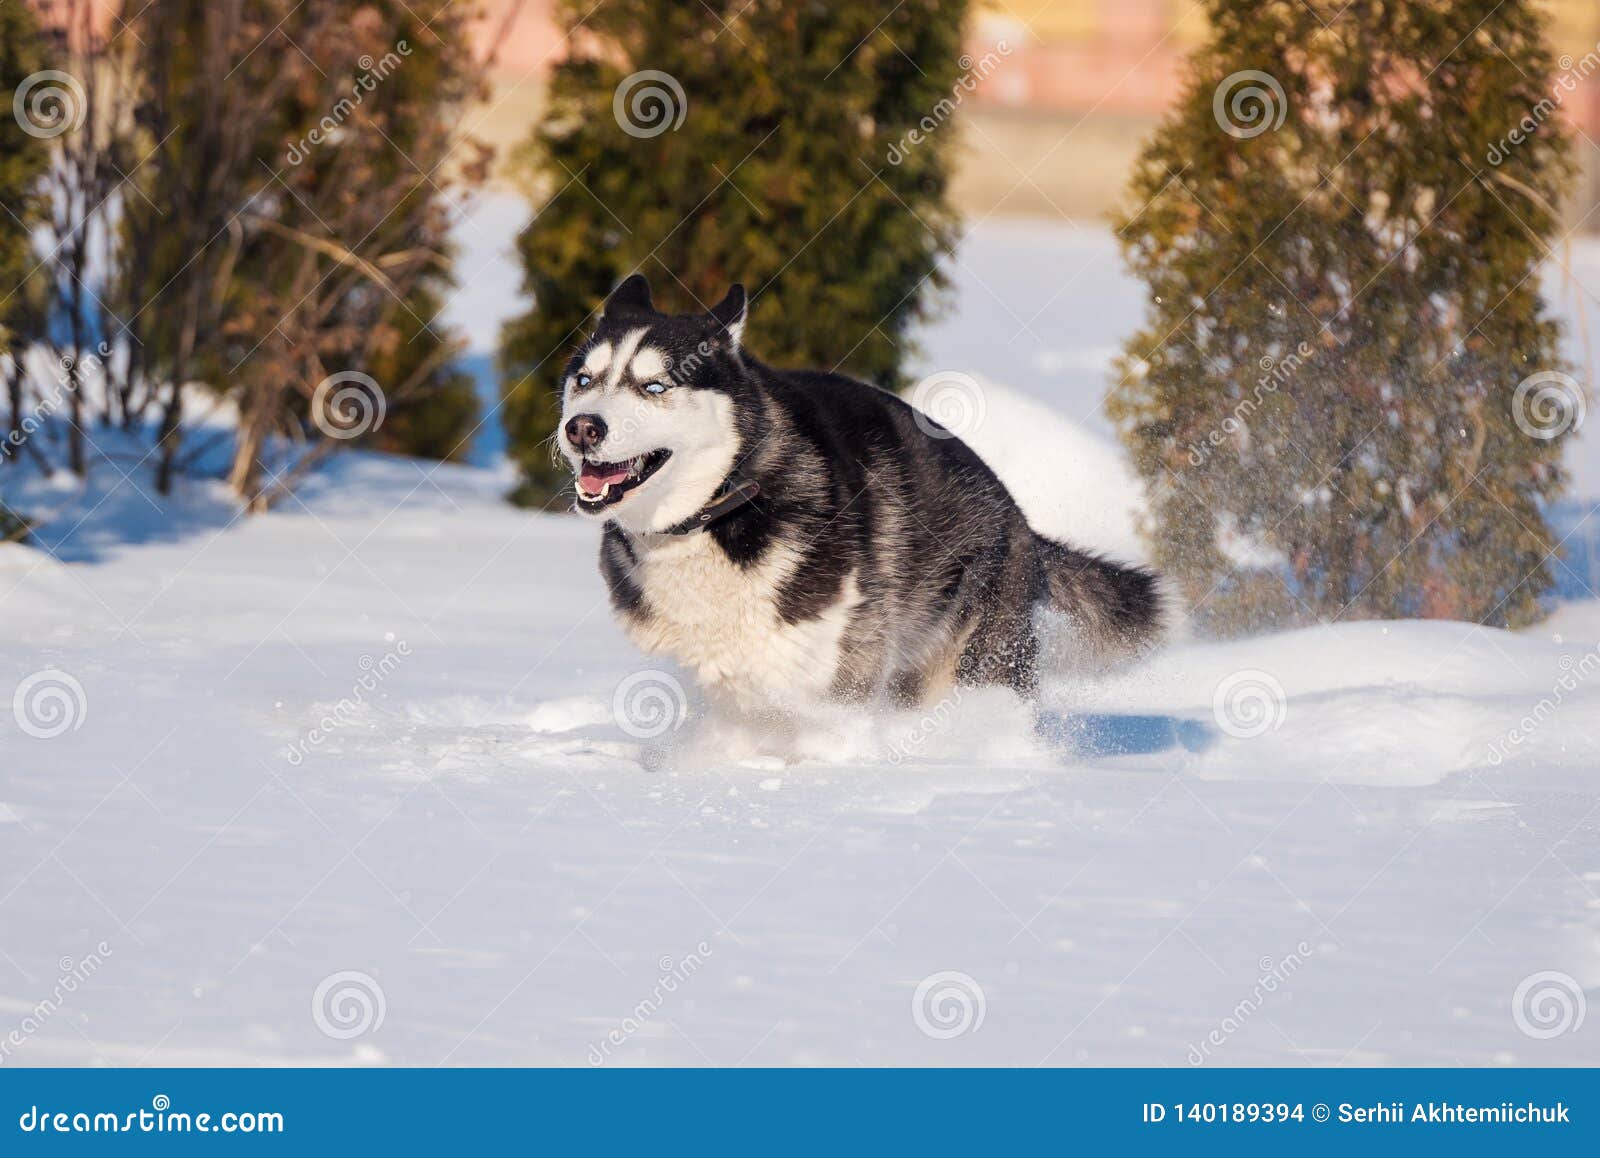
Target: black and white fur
(881,559)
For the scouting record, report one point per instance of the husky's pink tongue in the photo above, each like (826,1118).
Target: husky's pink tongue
(594,478)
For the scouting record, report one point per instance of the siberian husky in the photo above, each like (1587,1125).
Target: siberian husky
(794,536)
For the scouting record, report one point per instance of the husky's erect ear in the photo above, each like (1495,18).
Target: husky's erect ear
(729,314)
(632,294)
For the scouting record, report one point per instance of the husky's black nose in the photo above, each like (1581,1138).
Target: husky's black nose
(585,431)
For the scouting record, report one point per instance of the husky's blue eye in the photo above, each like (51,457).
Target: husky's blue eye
(654,388)
(583,379)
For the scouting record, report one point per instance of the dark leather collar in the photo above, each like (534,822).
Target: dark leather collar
(729,501)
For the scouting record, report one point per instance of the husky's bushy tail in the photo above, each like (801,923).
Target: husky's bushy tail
(1117,612)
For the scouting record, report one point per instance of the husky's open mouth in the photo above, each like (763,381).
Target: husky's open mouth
(604,484)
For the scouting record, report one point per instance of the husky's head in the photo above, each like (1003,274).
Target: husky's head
(649,417)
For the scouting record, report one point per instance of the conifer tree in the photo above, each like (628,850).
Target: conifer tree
(24,158)
(1348,399)
(764,142)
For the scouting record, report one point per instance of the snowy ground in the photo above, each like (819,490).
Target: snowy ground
(1397,869)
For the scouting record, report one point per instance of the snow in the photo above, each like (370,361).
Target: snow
(360,756)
